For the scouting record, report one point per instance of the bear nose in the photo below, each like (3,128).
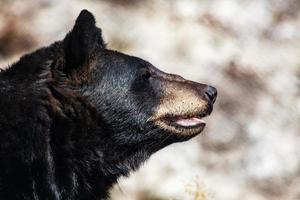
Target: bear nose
(211,93)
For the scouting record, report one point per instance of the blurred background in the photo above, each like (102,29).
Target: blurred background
(248,49)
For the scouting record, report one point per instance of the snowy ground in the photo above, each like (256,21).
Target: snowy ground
(250,50)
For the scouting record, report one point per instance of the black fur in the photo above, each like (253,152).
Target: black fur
(74,118)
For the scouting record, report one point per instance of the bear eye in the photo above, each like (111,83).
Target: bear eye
(145,74)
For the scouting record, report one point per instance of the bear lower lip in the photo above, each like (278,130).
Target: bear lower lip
(185,125)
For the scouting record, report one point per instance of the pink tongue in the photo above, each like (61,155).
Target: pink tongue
(190,121)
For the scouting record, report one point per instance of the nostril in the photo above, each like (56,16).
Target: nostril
(211,93)
(208,96)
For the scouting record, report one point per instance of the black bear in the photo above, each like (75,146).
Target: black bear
(75,116)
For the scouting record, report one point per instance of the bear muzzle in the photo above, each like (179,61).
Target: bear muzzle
(184,105)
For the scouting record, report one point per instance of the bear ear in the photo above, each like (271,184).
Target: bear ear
(82,41)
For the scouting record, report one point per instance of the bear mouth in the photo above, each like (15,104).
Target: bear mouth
(188,122)
(191,124)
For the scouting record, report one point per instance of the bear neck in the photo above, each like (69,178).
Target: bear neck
(84,147)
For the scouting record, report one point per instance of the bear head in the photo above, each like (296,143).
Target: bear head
(136,101)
